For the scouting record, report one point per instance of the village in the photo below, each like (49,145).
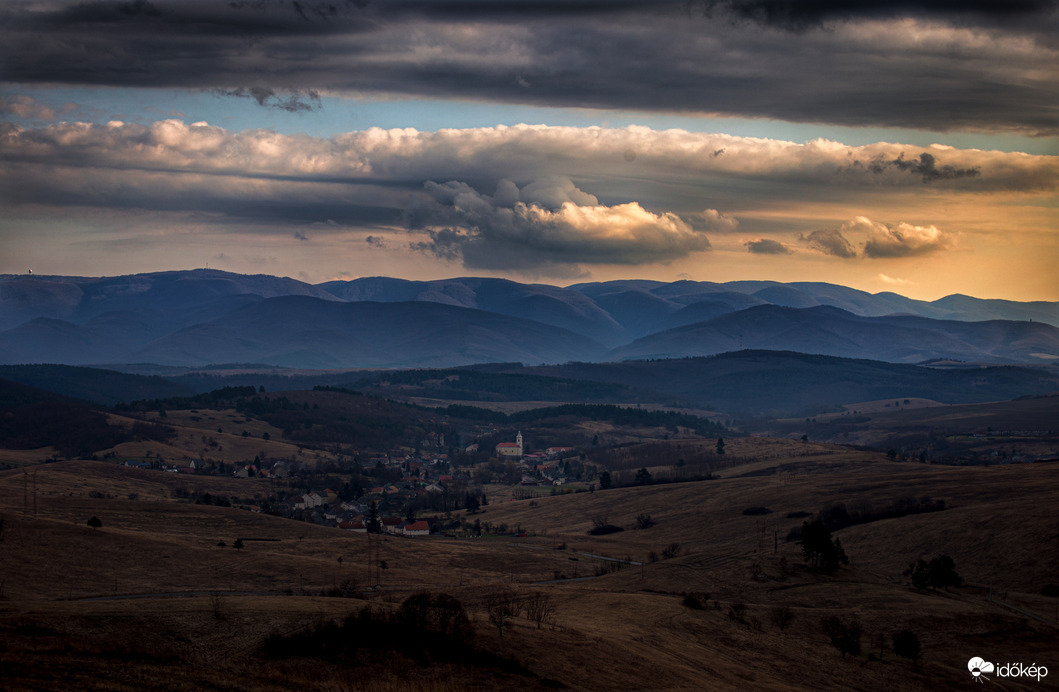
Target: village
(397,493)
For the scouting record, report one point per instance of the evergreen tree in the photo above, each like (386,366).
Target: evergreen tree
(819,549)
(371,521)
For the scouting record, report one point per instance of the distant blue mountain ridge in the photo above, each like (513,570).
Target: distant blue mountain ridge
(199,317)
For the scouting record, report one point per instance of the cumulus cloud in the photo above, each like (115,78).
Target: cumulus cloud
(881,240)
(830,241)
(545,224)
(766,246)
(716,221)
(375,241)
(901,239)
(969,70)
(26,107)
(300,235)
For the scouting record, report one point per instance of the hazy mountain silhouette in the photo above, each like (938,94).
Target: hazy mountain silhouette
(299,331)
(207,316)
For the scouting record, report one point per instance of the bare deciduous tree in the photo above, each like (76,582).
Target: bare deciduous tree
(501,606)
(538,607)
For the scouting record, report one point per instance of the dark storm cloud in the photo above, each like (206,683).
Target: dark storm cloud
(892,64)
(294,102)
(766,246)
(926,166)
(800,14)
(830,241)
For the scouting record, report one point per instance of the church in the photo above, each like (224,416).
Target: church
(510,450)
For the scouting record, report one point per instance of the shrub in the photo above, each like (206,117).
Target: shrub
(756,511)
(844,634)
(940,571)
(601,527)
(781,616)
(906,644)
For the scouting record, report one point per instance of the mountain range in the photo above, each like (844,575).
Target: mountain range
(201,317)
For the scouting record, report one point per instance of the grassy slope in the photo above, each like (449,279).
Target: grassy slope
(613,631)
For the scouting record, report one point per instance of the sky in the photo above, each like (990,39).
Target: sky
(885,145)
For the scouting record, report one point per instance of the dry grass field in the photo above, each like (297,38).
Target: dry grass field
(149,600)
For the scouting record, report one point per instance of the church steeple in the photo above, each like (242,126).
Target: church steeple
(518,441)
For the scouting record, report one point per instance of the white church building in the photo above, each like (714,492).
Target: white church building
(512,450)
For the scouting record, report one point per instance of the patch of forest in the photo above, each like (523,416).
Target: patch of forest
(476,385)
(619,415)
(31,419)
(98,385)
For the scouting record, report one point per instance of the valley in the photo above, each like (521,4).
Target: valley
(507,514)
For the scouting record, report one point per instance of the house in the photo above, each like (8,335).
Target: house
(556,451)
(419,528)
(392,524)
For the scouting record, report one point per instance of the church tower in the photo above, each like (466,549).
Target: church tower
(518,441)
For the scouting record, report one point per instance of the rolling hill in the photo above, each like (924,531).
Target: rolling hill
(832,331)
(770,383)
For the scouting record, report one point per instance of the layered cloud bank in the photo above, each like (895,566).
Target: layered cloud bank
(520,152)
(935,65)
(564,197)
